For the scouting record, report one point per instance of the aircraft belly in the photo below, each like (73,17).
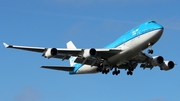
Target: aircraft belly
(120,58)
(87,69)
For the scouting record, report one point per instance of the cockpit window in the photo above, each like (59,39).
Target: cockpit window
(151,22)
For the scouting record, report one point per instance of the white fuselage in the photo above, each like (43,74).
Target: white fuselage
(130,49)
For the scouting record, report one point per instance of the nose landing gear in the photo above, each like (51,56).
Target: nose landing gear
(150,51)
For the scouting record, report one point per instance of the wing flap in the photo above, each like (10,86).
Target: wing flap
(62,68)
(106,53)
(89,61)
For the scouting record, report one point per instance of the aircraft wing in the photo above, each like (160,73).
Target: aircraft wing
(143,59)
(64,53)
(148,61)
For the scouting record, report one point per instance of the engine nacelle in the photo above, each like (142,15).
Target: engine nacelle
(89,53)
(157,60)
(167,65)
(50,52)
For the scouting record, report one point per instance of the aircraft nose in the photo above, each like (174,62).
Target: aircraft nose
(161,28)
(158,26)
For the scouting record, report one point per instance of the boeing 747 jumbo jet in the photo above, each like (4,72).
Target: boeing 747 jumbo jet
(124,53)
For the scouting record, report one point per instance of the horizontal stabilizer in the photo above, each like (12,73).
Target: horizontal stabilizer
(62,68)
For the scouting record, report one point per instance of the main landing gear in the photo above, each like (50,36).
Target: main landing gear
(129,72)
(116,72)
(103,70)
(100,67)
(106,71)
(150,51)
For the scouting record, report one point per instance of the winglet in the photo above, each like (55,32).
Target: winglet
(6,45)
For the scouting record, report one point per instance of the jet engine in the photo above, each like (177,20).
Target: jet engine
(89,53)
(167,65)
(50,52)
(157,60)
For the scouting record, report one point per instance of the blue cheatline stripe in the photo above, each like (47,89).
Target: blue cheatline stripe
(137,31)
(140,30)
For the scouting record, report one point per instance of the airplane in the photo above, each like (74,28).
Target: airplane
(124,53)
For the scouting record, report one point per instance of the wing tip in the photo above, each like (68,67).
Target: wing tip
(6,45)
(43,67)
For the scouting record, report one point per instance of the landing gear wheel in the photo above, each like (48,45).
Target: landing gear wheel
(150,51)
(105,71)
(113,73)
(99,69)
(116,72)
(129,73)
